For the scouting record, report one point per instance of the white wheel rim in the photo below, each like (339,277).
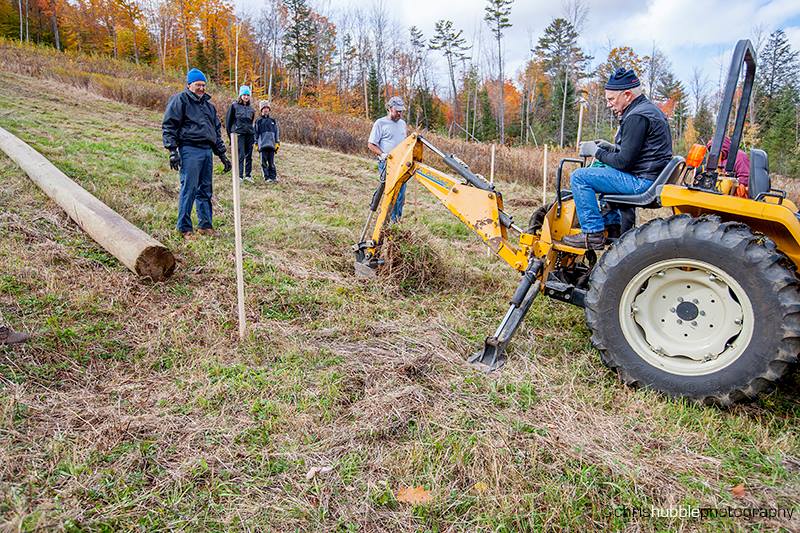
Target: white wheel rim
(686,317)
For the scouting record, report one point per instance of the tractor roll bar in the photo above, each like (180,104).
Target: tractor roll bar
(743,54)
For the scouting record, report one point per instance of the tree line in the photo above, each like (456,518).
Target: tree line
(351,60)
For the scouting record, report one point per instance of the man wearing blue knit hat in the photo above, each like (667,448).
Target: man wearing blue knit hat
(191,131)
(642,148)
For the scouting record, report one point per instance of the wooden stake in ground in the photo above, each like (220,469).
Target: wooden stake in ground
(544,177)
(131,246)
(237,225)
(580,124)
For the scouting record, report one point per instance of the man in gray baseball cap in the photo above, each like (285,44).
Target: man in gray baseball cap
(387,133)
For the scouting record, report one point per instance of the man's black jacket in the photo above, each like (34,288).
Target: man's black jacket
(192,120)
(644,140)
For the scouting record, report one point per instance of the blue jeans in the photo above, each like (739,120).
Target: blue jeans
(586,183)
(196,171)
(397,210)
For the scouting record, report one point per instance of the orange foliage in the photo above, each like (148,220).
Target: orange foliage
(512,100)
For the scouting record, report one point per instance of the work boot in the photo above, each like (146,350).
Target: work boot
(613,232)
(8,336)
(187,235)
(595,240)
(207,231)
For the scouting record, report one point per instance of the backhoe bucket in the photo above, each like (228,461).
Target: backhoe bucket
(493,355)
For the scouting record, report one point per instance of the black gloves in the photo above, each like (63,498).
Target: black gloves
(226,163)
(174,159)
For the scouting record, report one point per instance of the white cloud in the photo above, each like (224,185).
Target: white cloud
(691,32)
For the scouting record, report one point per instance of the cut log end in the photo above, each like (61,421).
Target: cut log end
(156,263)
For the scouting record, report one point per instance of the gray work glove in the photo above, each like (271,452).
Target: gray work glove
(588,149)
(174,159)
(383,156)
(605,145)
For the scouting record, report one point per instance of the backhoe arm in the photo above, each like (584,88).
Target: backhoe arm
(472,199)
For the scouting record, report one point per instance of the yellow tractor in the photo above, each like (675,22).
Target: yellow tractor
(703,304)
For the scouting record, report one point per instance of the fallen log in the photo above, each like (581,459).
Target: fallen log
(134,248)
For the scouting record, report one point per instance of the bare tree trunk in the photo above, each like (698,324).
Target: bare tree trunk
(502,103)
(20,20)
(453,84)
(475,109)
(185,38)
(164,52)
(366,95)
(236,61)
(563,109)
(272,62)
(56,38)
(135,45)
(27,22)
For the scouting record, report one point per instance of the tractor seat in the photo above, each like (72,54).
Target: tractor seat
(650,198)
(759,173)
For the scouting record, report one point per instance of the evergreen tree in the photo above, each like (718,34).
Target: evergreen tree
(497,17)
(558,50)
(777,71)
(215,54)
(200,60)
(778,65)
(671,92)
(704,122)
(780,138)
(564,63)
(488,126)
(298,39)
(566,121)
(376,103)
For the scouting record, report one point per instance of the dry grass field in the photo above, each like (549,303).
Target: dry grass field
(135,407)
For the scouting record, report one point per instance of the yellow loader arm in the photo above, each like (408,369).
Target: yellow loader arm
(473,200)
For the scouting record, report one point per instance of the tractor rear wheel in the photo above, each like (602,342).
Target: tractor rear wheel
(696,307)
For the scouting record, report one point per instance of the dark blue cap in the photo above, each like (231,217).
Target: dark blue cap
(622,80)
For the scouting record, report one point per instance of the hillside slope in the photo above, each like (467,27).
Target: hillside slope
(136,407)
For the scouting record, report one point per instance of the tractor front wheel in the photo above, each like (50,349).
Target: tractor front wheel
(695,307)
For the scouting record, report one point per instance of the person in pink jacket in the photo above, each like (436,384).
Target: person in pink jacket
(741,168)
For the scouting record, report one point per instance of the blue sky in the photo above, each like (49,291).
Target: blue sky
(693,33)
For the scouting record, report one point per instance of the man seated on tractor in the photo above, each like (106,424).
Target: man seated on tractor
(643,148)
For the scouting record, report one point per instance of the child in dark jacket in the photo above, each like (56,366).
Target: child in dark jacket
(267,140)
